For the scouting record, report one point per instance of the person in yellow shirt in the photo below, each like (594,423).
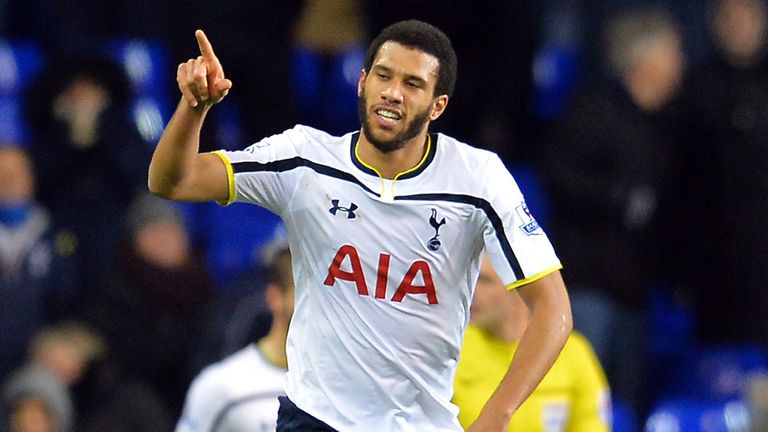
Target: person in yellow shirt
(573,396)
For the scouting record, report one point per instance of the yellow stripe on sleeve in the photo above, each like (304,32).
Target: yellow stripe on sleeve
(230,177)
(535,277)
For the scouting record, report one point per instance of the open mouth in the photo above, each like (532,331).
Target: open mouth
(388,115)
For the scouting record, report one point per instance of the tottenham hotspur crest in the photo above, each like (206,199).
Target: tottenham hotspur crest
(434,244)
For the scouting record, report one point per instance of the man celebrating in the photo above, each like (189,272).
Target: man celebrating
(386,229)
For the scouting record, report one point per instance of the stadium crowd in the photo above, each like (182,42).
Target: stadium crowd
(637,130)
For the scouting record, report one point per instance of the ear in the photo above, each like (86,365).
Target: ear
(361,82)
(438,106)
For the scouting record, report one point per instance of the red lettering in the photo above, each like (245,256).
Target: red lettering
(407,287)
(381,276)
(356,275)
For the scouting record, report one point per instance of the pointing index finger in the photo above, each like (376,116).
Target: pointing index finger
(206,50)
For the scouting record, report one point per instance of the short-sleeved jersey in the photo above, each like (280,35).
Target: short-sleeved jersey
(572,397)
(385,269)
(236,394)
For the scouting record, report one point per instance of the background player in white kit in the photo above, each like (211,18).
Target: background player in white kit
(386,229)
(240,392)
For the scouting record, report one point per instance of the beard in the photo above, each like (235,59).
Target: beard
(412,129)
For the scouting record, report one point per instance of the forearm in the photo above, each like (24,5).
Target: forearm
(548,329)
(177,151)
(537,351)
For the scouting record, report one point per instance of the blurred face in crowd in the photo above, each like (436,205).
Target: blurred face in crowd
(740,29)
(164,243)
(16,178)
(32,415)
(396,97)
(80,106)
(62,358)
(660,68)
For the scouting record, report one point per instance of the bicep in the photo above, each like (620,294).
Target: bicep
(547,291)
(209,180)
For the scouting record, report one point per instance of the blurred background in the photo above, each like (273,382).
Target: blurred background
(637,130)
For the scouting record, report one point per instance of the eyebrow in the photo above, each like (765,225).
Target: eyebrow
(408,77)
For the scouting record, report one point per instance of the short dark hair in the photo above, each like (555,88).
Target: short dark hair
(280,269)
(425,37)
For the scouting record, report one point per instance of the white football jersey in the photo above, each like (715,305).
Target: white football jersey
(385,269)
(237,394)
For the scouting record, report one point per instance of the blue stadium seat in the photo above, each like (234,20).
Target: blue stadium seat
(230,133)
(232,236)
(146,63)
(20,62)
(537,199)
(555,76)
(623,418)
(716,373)
(326,88)
(691,415)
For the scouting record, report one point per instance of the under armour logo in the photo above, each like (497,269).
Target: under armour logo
(434,243)
(350,210)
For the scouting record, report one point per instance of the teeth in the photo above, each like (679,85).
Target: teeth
(388,114)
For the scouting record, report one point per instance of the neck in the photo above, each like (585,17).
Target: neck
(390,164)
(272,346)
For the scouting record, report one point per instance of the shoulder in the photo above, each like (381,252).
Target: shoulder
(459,149)
(299,140)
(219,377)
(455,156)
(302,134)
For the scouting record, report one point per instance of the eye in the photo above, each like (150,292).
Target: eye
(414,84)
(382,76)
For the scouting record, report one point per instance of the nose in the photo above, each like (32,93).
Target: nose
(392,93)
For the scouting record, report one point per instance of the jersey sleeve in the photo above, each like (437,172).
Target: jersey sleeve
(592,401)
(517,246)
(256,174)
(205,401)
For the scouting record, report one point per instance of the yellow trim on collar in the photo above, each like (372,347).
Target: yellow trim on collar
(394,179)
(230,178)
(535,277)
(421,162)
(362,162)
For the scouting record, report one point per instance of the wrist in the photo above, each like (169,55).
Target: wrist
(499,413)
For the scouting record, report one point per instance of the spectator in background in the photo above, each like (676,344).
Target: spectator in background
(608,165)
(69,384)
(149,307)
(329,42)
(37,275)
(240,392)
(58,358)
(573,395)
(726,176)
(238,313)
(88,154)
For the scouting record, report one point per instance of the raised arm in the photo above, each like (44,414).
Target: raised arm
(548,328)
(177,170)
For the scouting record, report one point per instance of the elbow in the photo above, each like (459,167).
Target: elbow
(566,315)
(159,189)
(160,184)
(567,321)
